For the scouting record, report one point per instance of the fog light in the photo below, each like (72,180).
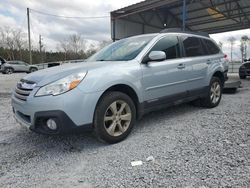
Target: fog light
(51,124)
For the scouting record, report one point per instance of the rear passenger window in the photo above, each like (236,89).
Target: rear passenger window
(193,47)
(211,47)
(169,45)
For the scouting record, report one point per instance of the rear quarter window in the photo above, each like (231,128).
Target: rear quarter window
(211,47)
(193,47)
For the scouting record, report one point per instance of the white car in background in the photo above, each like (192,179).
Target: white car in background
(17,66)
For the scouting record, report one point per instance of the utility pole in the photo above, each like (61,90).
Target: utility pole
(28,19)
(40,47)
(40,43)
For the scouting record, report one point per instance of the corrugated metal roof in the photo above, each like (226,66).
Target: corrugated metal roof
(211,16)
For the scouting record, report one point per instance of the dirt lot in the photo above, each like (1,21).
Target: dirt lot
(192,147)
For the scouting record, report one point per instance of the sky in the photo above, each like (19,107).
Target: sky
(53,30)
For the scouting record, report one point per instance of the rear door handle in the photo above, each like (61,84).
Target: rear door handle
(181,66)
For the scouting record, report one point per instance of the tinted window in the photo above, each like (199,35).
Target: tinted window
(211,47)
(21,63)
(193,47)
(169,45)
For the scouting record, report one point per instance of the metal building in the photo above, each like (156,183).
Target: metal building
(211,16)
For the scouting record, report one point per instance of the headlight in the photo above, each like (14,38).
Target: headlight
(61,86)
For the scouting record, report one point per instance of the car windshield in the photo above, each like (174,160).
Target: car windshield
(122,50)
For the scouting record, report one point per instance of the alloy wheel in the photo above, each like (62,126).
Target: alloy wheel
(117,118)
(215,92)
(8,71)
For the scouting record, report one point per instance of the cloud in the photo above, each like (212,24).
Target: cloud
(52,29)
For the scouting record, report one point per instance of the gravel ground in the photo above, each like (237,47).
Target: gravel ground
(192,147)
(8,82)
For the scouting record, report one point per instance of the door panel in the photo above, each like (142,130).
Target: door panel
(197,61)
(22,66)
(164,79)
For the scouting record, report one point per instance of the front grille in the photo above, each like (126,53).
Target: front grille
(23,89)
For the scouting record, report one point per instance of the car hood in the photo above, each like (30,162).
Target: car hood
(52,74)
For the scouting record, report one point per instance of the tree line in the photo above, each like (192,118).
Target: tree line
(14,46)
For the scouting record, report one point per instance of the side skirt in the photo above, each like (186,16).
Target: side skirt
(172,100)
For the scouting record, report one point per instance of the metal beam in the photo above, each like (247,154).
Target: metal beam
(184,10)
(213,20)
(195,18)
(148,7)
(205,7)
(223,28)
(133,21)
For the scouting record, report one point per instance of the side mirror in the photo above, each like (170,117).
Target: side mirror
(157,56)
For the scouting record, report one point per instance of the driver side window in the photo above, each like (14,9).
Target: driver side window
(169,45)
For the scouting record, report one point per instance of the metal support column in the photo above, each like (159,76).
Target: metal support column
(184,11)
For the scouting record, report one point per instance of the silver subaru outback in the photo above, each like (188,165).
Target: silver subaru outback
(117,85)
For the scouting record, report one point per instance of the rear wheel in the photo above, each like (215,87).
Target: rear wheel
(33,69)
(214,93)
(8,71)
(114,117)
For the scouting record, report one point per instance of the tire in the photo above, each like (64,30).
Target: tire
(120,113)
(33,70)
(214,94)
(8,70)
(243,77)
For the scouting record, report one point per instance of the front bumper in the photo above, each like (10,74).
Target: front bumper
(73,110)
(64,123)
(244,72)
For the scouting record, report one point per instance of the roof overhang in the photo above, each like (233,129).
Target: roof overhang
(211,16)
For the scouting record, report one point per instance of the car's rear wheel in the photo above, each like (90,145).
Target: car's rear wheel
(114,117)
(214,93)
(8,71)
(33,69)
(242,77)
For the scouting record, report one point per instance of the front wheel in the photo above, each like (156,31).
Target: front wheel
(214,93)
(8,71)
(114,117)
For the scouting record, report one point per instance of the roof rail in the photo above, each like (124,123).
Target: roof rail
(179,30)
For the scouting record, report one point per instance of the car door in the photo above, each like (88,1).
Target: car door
(165,81)
(197,61)
(22,66)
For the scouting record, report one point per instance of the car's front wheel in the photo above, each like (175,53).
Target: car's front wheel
(8,71)
(114,117)
(214,93)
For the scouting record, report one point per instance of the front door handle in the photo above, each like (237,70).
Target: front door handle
(209,61)
(181,66)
